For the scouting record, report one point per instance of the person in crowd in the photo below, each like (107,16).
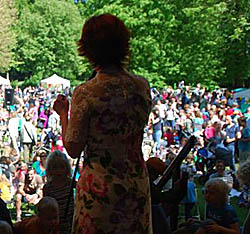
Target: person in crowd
(243,175)
(219,134)
(244,140)
(14,156)
(157,128)
(5,188)
(164,202)
(5,227)
(222,173)
(198,122)
(232,134)
(222,215)
(44,116)
(33,111)
(29,138)
(53,121)
(29,190)
(39,164)
(209,132)
(108,116)
(46,221)
(5,214)
(58,185)
(190,198)
(13,131)
(171,115)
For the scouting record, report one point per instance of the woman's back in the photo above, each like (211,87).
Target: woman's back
(114,186)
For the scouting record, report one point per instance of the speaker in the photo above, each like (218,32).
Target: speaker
(9,97)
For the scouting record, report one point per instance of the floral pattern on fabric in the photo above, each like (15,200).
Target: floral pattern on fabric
(108,115)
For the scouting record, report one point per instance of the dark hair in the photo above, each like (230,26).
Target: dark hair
(221,161)
(104,41)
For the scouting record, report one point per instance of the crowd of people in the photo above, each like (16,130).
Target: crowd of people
(26,173)
(106,120)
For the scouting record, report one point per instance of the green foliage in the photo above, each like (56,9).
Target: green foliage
(7,37)
(206,41)
(47,38)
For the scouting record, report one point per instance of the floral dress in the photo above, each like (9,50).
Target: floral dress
(108,115)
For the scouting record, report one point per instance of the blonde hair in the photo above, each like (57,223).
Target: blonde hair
(56,158)
(220,187)
(243,172)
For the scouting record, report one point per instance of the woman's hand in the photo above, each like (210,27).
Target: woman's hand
(61,105)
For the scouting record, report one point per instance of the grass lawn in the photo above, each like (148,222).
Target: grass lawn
(28,210)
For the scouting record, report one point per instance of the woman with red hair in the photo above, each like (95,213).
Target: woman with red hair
(108,116)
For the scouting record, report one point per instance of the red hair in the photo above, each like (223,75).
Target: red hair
(104,41)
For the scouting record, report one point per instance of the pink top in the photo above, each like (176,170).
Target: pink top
(209,132)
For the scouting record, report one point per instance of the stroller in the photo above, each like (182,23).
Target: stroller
(207,157)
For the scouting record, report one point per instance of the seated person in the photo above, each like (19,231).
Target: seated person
(243,175)
(222,174)
(29,189)
(45,222)
(220,216)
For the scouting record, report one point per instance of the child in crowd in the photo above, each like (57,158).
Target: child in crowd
(243,175)
(220,216)
(58,171)
(190,198)
(45,222)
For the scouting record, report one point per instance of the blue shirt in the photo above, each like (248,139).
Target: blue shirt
(191,195)
(231,132)
(244,146)
(224,216)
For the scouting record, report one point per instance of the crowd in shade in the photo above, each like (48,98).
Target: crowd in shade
(33,160)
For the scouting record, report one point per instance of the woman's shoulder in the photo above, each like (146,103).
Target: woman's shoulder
(139,79)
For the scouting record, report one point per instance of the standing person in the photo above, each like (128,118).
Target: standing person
(13,130)
(58,171)
(108,116)
(244,141)
(29,138)
(157,128)
(232,133)
(53,121)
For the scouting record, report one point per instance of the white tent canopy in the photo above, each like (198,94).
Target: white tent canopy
(4,81)
(56,80)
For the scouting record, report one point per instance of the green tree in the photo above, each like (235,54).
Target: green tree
(7,37)
(171,40)
(47,31)
(236,32)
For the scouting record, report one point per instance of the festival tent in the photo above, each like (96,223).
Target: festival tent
(243,93)
(56,80)
(4,81)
